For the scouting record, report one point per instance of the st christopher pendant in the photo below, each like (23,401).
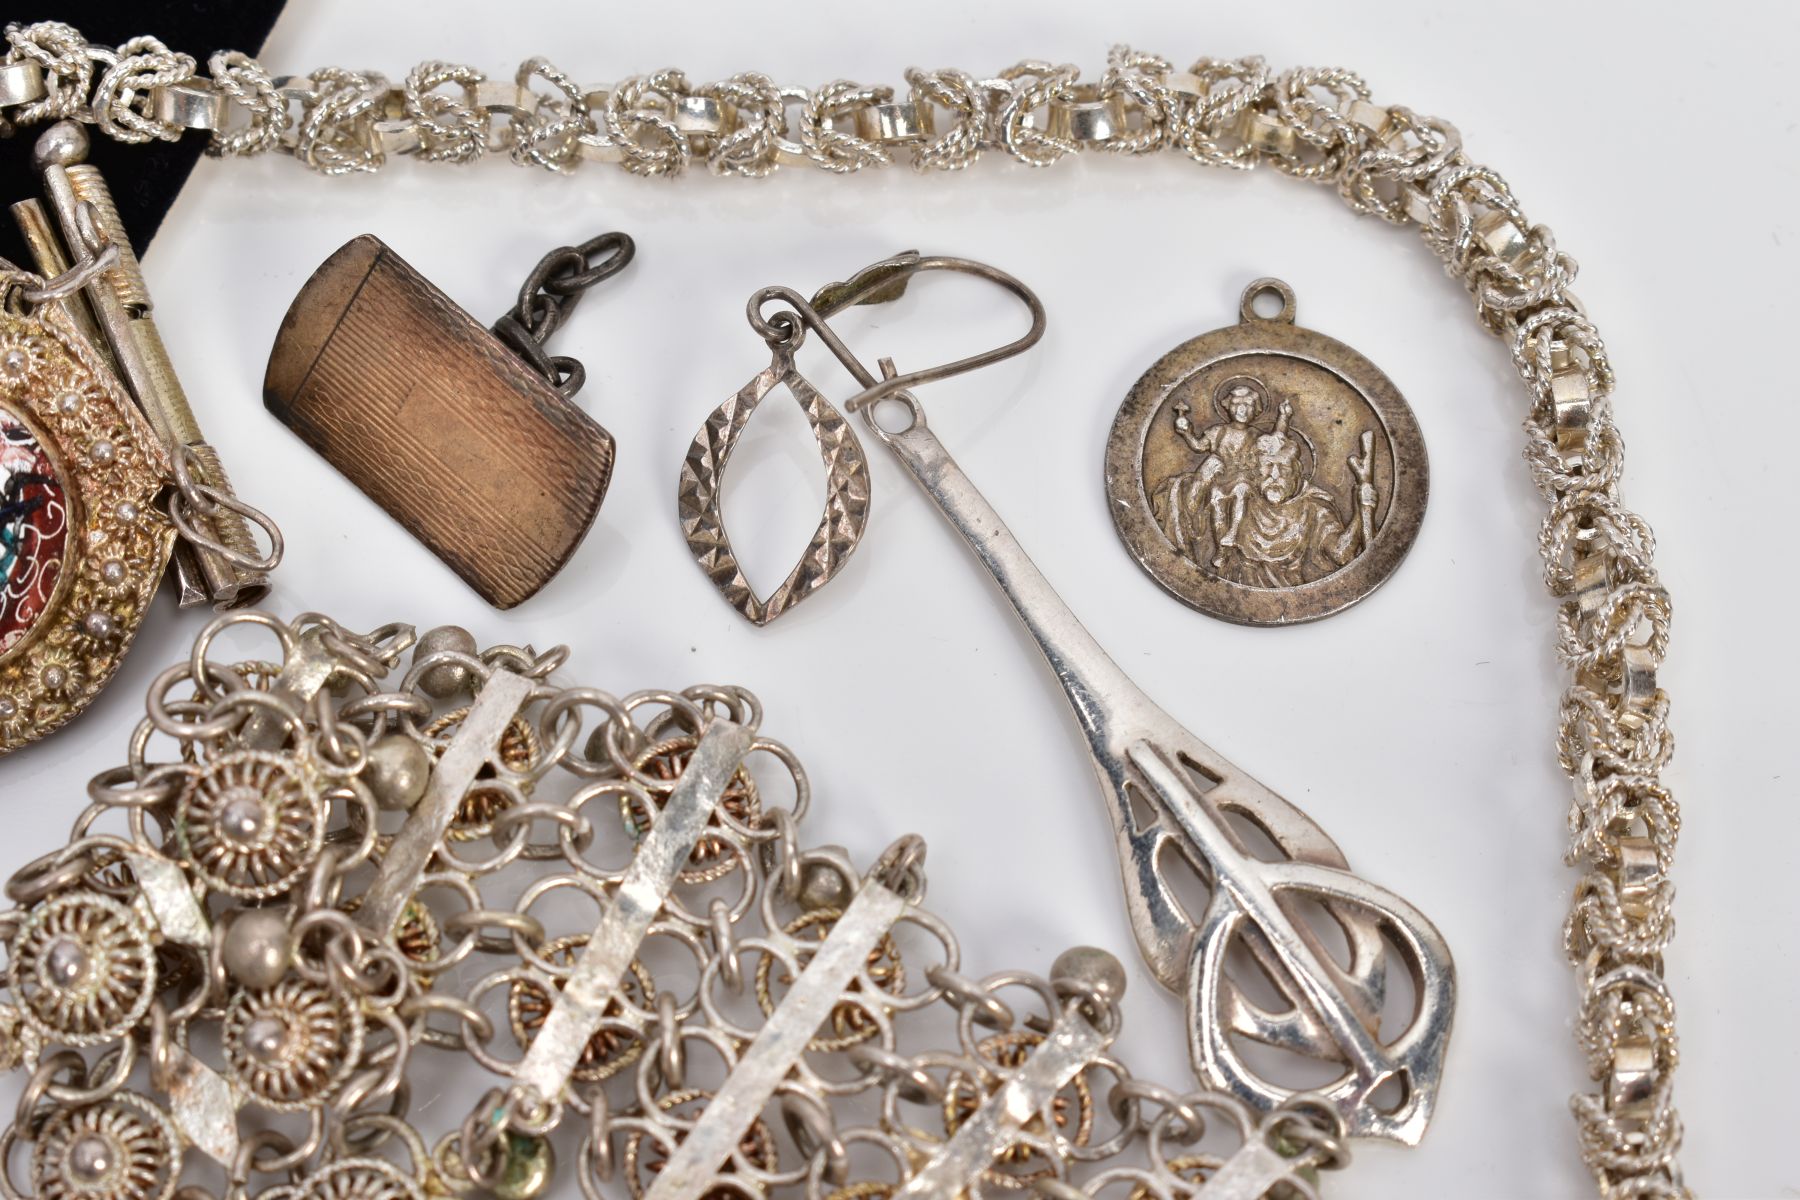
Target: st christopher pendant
(1264,473)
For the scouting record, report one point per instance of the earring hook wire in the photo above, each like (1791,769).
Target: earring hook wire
(880,283)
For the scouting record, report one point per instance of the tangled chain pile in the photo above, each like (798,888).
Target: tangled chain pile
(1313,123)
(303,879)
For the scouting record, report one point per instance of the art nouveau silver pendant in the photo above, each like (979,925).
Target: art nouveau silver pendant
(1181,813)
(1264,473)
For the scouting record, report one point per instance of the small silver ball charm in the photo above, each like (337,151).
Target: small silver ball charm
(258,946)
(824,886)
(446,679)
(397,772)
(1093,969)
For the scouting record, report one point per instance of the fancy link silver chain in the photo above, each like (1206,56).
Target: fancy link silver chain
(1314,123)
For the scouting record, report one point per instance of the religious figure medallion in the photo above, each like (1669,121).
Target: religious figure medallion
(1264,473)
(83,540)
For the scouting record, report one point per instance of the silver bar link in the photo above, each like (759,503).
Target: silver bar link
(169,896)
(303,673)
(473,748)
(202,1101)
(203,1105)
(581,1003)
(691,1170)
(1071,1046)
(1251,1171)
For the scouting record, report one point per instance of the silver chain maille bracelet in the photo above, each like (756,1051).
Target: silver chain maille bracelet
(599,900)
(1313,123)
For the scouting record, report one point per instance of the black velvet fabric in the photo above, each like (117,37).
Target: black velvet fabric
(144,178)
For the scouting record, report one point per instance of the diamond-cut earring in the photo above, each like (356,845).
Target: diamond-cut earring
(846,492)
(846,466)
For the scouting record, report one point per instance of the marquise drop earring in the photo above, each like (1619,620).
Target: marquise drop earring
(846,513)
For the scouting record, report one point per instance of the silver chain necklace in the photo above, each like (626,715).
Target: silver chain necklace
(1316,124)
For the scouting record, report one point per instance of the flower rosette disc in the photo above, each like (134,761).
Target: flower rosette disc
(290,1047)
(250,824)
(119,1148)
(83,969)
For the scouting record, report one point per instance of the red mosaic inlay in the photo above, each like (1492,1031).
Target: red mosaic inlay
(34,529)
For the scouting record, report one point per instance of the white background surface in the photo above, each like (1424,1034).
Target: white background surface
(1657,140)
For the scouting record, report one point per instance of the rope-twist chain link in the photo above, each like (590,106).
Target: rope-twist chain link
(1313,123)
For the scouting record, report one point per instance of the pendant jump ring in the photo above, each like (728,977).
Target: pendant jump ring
(1267,285)
(785,329)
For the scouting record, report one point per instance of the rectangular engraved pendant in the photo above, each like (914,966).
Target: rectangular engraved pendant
(665,850)
(438,422)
